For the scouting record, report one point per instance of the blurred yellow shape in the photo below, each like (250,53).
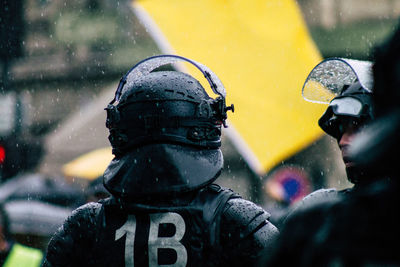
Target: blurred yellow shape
(262,52)
(315,91)
(89,166)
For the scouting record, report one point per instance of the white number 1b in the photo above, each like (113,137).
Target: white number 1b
(155,242)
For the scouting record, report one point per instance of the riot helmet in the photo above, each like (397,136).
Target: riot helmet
(353,105)
(346,85)
(165,130)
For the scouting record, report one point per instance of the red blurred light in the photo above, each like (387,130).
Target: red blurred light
(2,154)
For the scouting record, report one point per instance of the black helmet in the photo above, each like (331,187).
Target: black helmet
(165,130)
(354,104)
(344,84)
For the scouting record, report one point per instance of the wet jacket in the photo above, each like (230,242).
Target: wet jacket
(213,227)
(357,229)
(317,197)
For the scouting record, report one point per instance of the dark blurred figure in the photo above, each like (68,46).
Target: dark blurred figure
(11,36)
(11,29)
(359,229)
(165,131)
(13,254)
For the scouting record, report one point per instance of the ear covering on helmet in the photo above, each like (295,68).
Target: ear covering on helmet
(165,130)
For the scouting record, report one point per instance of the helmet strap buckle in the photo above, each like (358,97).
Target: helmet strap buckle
(220,110)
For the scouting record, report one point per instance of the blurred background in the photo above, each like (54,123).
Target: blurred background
(60,65)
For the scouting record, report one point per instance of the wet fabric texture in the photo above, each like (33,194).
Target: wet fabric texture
(214,227)
(357,229)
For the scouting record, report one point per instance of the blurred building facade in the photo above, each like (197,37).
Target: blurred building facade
(330,13)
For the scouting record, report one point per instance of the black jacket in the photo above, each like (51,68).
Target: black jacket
(214,227)
(357,229)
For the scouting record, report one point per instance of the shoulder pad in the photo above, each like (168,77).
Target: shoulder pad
(213,199)
(90,207)
(77,232)
(246,233)
(315,198)
(215,188)
(244,216)
(319,196)
(87,211)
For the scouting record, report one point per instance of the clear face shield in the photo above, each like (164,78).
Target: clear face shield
(344,84)
(327,80)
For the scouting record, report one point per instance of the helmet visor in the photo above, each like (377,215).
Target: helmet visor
(346,106)
(148,65)
(328,78)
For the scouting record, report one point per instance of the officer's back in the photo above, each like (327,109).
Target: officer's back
(165,210)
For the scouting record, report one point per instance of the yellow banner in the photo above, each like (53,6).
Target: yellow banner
(89,166)
(262,52)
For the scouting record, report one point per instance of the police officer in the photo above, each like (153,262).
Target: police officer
(165,132)
(361,228)
(350,84)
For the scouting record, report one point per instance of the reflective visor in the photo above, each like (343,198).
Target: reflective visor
(327,79)
(347,106)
